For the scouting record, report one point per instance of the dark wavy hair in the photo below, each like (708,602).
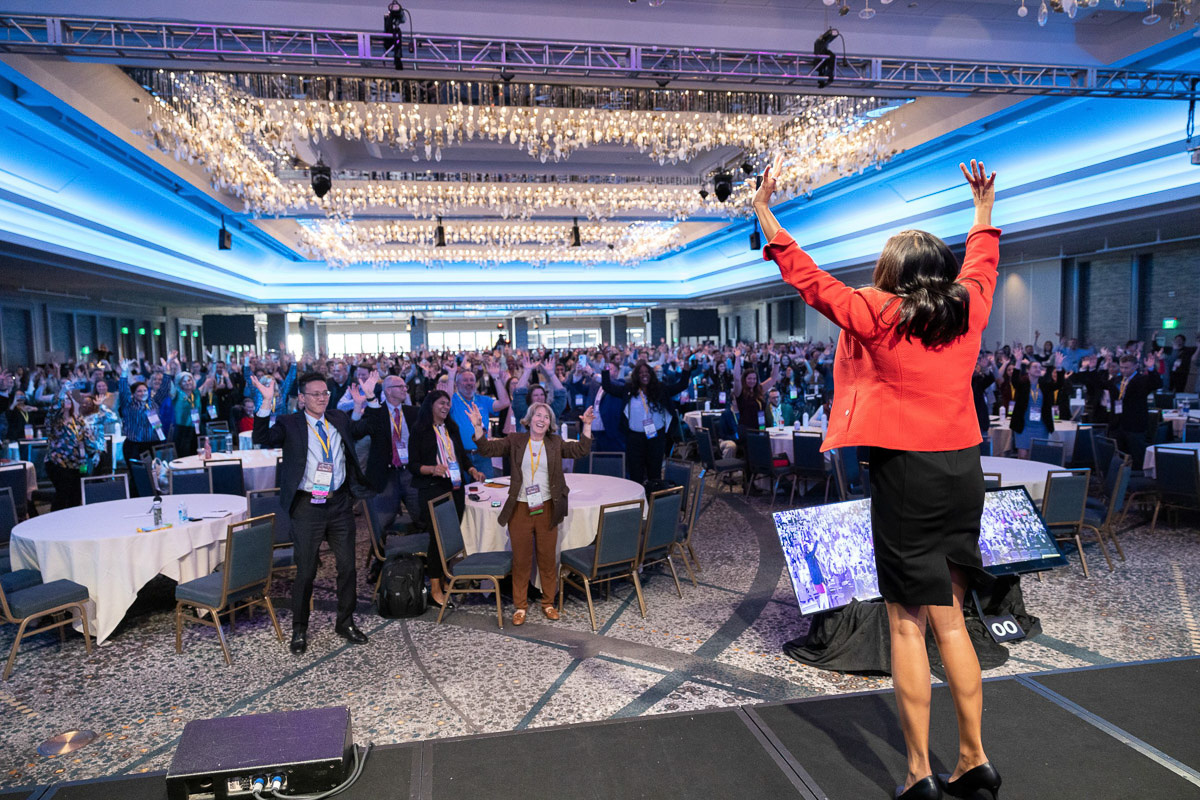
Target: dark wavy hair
(425,415)
(921,271)
(653,389)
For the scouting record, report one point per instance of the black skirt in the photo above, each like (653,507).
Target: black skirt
(925,512)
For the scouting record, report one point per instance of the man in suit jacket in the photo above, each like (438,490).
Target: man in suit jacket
(388,424)
(315,480)
(1128,399)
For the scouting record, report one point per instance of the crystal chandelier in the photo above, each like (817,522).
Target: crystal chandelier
(1183,12)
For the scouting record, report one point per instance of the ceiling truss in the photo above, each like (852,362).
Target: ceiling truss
(203,46)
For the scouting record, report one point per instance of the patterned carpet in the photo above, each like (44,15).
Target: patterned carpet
(718,646)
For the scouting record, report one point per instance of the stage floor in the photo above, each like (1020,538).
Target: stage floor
(1082,734)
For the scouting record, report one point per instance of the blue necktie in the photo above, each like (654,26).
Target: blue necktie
(324,438)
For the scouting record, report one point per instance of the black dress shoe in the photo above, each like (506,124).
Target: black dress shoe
(351,633)
(982,778)
(299,642)
(925,789)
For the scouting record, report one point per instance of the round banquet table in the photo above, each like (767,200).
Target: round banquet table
(1020,472)
(1064,431)
(781,440)
(1148,462)
(1178,420)
(695,419)
(482,530)
(98,546)
(258,466)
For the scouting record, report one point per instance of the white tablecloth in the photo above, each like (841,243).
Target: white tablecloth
(1148,461)
(1019,472)
(98,546)
(481,526)
(781,441)
(1064,431)
(695,419)
(30,475)
(1178,420)
(246,440)
(258,466)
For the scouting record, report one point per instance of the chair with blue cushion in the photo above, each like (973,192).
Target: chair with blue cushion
(1047,451)
(760,461)
(662,528)
(808,463)
(380,522)
(242,582)
(104,488)
(610,464)
(613,554)
(1083,454)
(226,476)
(1064,506)
(24,598)
(461,568)
(15,479)
(1177,473)
(190,481)
(679,473)
(45,493)
(993,480)
(8,521)
(141,473)
(1105,515)
(221,442)
(164,452)
(687,528)
(283,557)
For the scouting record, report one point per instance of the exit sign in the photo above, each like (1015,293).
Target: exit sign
(1170,323)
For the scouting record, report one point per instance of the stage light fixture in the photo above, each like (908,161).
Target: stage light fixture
(576,238)
(322,178)
(224,237)
(826,60)
(747,167)
(439,234)
(704,194)
(507,76)
(547,319)
(393,23)
(412,320)
(722,185)
(755,238)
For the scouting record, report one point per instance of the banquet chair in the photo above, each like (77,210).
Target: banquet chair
(1047,451)
(613,554)
(662,526)
(760,461)
(846,475)
(35,453)
(992,480)
(105,488)
(610,464)
(572,430)
(24,598)
(1103,449)
(679,473)
(1177,473)
(1191,431)
(165,452)
(242,582)
(379,521)
(1083,454)
(261,502)
(718,468)
(142,473)
(687,528)
(463,569)
(1064,506)
(189,481)
(864,469)
(215,428)
(985,447)
(226,476)
(1163,400)
(221,442)
(8,521)
(278,469)
(808,462)
(13,477)
(1105,514)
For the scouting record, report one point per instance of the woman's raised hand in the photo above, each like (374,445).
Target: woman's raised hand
(767,188)
(983,187)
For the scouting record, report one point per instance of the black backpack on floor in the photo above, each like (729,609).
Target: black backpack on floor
(402,591)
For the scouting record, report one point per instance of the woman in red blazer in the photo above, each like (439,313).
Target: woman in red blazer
(902,386)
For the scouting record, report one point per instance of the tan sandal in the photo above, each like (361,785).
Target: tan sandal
(519,617)
(550,612)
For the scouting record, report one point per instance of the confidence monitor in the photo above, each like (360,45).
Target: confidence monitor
(831,557)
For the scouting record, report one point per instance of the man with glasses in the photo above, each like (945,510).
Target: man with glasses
(315,480)
(388,424)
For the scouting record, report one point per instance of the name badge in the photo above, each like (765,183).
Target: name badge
(455,475)
(212,411)
(650,430)
(272,422)
(762,420)
(28,431)
(1117,407)
(155,423)
(721,398)
(322,481)
(579,400)
(533,497)
(403,453)
(793,392)
(196,419)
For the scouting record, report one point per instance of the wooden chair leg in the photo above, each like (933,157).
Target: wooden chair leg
(1112,535)
(446,599)
(221,638)
(637,587)
(12,654)
(683,557)
(87,634)
(587,590)
(1154,519)
(1082,557)
(271,614)
(695,560)
(1103,549)
(675,577)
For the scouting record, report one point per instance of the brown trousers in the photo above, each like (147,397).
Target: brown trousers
(527,532)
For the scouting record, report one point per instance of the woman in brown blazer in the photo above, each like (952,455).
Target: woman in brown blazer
(537,496)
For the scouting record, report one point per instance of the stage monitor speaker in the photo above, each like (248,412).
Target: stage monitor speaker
(228,329)
(299,752)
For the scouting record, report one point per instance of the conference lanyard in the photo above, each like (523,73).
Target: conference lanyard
(447,445)
(323,440)
(648,426)
(397,432)
(1124,383)
(533,492)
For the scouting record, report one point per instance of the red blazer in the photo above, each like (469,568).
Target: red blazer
(888,391)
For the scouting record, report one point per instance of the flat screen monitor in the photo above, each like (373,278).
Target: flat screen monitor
(831,558)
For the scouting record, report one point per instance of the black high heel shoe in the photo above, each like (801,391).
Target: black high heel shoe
(925,789)
(982,778)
